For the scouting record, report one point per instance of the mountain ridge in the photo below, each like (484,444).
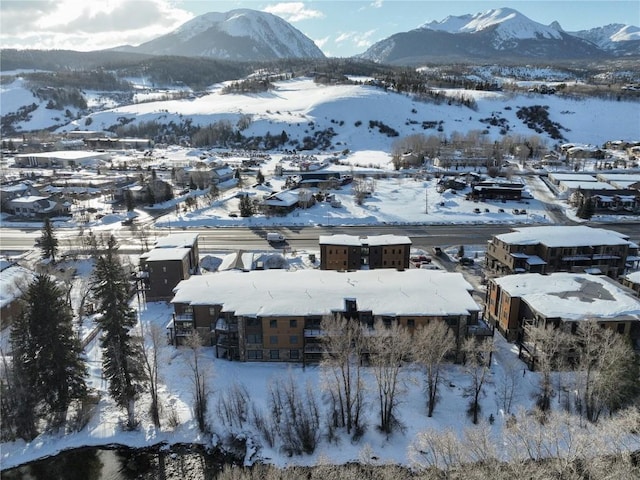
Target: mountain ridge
(241,34)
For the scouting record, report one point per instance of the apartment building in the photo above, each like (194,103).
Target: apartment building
(275,315)
(174,258)
(350,252)
(562,300)
(548,249)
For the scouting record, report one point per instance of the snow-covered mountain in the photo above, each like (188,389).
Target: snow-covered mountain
(498,34)
(241,34)
(507,24)
(615,37)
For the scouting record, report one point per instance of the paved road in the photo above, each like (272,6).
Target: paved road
(16,240)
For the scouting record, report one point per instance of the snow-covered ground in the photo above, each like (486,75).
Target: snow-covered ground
(301,107)
(176,393)
(396,199)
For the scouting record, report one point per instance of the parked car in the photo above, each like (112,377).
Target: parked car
(466,261)
(127,221)
(437,251)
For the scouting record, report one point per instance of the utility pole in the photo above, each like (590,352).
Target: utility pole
(426,200)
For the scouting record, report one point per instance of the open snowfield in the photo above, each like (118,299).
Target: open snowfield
(300,107)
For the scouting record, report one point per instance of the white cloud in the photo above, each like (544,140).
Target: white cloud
(293,11)
(377,3)
(321,42)
(68,24)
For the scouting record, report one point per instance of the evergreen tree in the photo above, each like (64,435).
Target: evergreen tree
(128,200)
(260,177)
(48,241)
(151,196)
(246,207)
(121,356)
(49,369)
(214,191)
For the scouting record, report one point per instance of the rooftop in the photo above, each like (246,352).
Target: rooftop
(563,236)
(319,292)
(353,240)
(572,296)
(177,240)
(165,254)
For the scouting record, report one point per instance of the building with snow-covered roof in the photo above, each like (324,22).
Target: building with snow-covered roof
(37,206)
(562,300)
(275,315)
(632,281)
(610,201)
(350,252)
(550,249)
(174,258)
(13,280)
(61,158)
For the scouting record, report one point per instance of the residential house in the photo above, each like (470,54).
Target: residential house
(275,315)
(550,249)
(561,300)
(37,206)
(350,252)
(9,192)
(280,202)
(221,174)
(174,258)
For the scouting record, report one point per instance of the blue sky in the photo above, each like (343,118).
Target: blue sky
(340,28)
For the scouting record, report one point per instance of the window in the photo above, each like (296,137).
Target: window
(293,339)
(411,322)
(294,354)
(164,269)
(212,311)
(273,323)
(621,328)
(273,339)
(293,323)
(165,281)
(254,338)
(253,322)
(254,354)
(274,354)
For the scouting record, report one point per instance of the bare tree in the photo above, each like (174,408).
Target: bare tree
(546,345)
(152,341)
(431,345)
(295,414)
(606,374)
(342,369)
(508,384)
(199,376)
(388,348)
(233,406)
(477,367)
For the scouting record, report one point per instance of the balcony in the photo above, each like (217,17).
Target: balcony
(313,332)
(183,317)
(222,325)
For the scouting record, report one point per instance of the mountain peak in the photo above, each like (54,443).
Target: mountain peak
(507,22)
(241,34)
